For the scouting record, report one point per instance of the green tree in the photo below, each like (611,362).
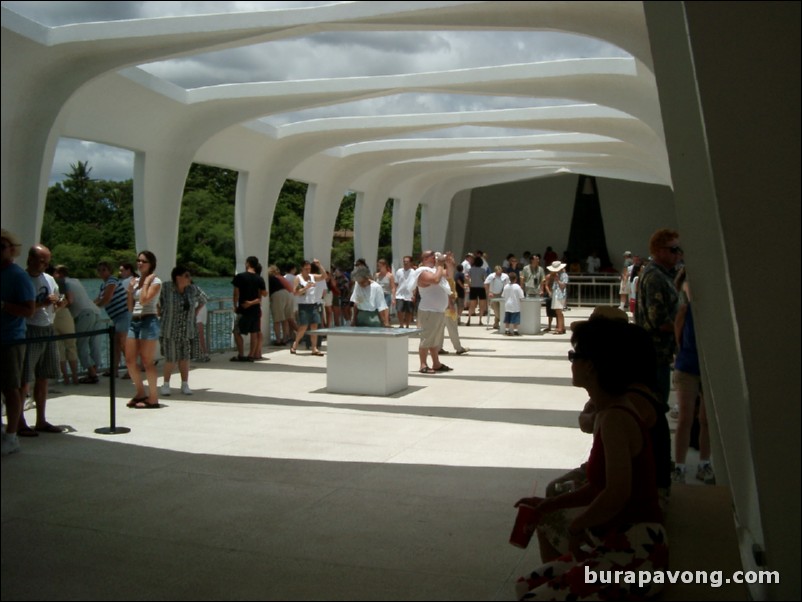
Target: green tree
(386,233)
(87,220)
(287,229)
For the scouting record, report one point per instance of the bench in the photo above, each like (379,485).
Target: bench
(701,537)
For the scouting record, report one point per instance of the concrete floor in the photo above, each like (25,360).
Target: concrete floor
(263,486)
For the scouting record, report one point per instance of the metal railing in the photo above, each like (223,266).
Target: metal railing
(593,289)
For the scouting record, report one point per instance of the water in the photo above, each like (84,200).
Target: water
(218,321)
(217,289)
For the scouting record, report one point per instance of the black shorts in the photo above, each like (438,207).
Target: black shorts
(477,293)
(249,322)
(403,306)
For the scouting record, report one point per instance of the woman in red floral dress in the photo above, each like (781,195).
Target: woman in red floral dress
(620,525)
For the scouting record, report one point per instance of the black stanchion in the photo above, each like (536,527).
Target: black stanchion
(112,429)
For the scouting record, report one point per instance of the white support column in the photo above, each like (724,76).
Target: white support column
(257,195)
(367,225)
(320,215)
(434,220)
(403,227)
(159,180)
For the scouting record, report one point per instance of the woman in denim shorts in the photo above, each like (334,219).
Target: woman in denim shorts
(143,334)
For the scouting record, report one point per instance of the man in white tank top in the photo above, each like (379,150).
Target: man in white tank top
(435,296)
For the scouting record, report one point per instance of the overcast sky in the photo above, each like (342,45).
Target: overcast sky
(323,55)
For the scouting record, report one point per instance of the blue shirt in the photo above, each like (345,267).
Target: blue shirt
(16,288)
(688,355)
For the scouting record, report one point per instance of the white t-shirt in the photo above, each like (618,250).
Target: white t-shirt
(369,298)
(310,296)
(497,282)
(403,290)
(44,285)
(435,296)
(512,294)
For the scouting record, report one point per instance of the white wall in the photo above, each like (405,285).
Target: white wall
(728,75)
(531,215)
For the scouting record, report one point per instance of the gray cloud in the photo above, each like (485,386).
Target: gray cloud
(107,162)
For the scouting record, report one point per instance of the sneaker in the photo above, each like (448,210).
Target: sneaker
(706,475)
(164,390)
(678,476)
(10,444)
(185,390)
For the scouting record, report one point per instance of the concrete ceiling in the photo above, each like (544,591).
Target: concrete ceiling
(95,81)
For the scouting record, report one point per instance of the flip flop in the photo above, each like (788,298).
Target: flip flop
(427,370)
(48,428)
(144,405)
(89,380)
(443,368)
(26,431)
(318,353)
(134,401)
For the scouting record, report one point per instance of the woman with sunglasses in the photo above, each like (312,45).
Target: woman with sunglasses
(143,297)
(619,523)
(180,302)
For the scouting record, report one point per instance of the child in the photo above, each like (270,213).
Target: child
(512,294)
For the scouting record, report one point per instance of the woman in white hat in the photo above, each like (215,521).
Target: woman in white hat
(559,292)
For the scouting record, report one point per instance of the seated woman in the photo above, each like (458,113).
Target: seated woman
(370,306)
(619,527)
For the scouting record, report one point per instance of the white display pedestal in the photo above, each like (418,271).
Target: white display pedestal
(367,361)
(530,316)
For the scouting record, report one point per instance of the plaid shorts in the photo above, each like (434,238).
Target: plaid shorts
(41,359)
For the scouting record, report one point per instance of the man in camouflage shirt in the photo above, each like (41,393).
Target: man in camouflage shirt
(658,302)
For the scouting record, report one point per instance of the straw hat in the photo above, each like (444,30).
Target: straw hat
(556,266)
(12,238)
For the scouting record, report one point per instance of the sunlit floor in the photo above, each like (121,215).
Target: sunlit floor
(262,485)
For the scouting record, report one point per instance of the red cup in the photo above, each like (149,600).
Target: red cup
(524,526)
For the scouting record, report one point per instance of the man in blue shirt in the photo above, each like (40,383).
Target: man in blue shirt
(18,303)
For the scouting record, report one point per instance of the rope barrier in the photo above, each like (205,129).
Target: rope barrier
(112,429)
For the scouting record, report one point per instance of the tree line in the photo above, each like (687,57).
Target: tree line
(88,220)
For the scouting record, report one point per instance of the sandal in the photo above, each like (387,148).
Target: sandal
(48,428)
(26,431)
(144,405)
(89,380)
(443,368)
(132,403)
(318,353)
(293,349)
(427,370)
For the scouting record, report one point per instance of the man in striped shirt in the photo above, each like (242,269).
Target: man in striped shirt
(113,298)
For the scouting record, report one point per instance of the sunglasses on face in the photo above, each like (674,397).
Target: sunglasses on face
(575,355)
